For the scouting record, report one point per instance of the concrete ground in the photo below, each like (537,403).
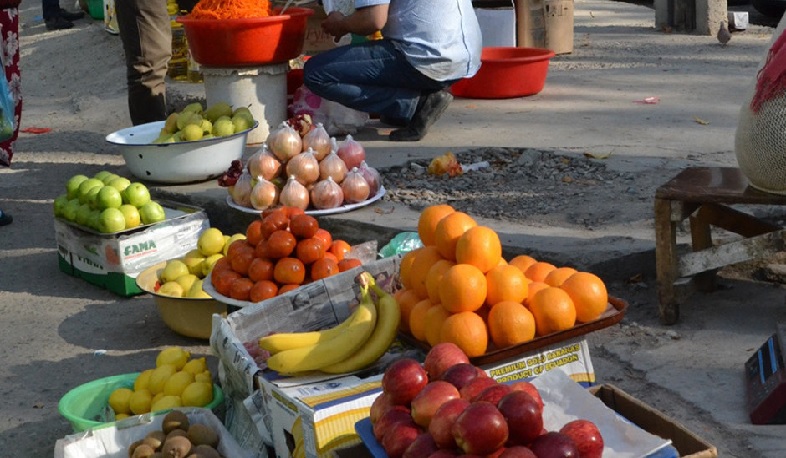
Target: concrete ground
(59,332)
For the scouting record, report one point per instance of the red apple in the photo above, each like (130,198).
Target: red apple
(493,393)
(430,398)
(554,445)
(441,357)
(529,388)
(442,422)
(444,453)
(586,436)
(524,417)
(422,447)
(475,386)
(480,429)
(517,451)
(396,414)
(403,380)
(460,374)
(380,405)
(399,437)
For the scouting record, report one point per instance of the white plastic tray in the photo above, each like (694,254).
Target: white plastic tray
(312,212)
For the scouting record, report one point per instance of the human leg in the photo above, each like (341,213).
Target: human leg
(9,34)
(373,77)
(147,41)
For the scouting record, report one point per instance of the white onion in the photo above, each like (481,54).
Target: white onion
(332,166)
(351,152)
(304,167)
(264,194)
(284,142)
(241,192)
(372,177)
(355,187)
(317,139)
(264,164)
(327,194)
(294,194)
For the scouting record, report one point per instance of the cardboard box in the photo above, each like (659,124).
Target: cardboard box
(545,24)
(113,261)
(688,444)
(498,26)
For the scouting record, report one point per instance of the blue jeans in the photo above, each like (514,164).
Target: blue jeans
(373,77)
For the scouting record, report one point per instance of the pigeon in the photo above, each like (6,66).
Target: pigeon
(723,34)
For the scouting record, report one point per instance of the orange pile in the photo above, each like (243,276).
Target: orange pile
(283,249)
(458,288)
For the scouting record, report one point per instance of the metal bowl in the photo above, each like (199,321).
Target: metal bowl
(181,162)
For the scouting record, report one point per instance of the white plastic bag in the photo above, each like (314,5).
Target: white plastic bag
(336,118)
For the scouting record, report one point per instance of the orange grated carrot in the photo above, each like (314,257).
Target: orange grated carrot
(230,9)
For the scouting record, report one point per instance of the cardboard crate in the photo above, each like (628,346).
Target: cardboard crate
(545,24)
(113,261)
(571,357)
(688,444)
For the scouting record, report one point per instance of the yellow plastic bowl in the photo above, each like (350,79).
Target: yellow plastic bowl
(87,406)
(189,317)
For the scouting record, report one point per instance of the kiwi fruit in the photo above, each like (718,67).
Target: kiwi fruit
(200,434)
(176,447)
(204,451)
(143,451)
(174,420)
(155,439)
(133,447)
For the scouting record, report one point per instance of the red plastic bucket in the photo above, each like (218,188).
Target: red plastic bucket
(506,72)
(247,42)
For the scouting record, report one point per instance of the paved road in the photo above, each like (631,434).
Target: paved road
(59,331)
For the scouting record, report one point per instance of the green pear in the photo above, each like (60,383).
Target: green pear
(223,128)
(170,125)
(243,111)
(195,107)
(192,133)
(241,123)
(207,126)
(217,110)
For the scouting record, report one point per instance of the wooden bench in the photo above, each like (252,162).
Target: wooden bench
(705,196)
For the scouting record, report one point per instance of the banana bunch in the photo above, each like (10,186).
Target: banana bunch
(357,342)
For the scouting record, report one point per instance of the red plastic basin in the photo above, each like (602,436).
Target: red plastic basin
(506,72)
(247,42)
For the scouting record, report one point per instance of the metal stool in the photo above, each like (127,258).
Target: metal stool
(705,195)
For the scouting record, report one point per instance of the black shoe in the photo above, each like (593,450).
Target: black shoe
(69,16)
(5,219)
(58,23)
(429,109)
(395,122)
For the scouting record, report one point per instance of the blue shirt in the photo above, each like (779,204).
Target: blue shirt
(440,38)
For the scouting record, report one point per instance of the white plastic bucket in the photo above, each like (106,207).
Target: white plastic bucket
(262,89)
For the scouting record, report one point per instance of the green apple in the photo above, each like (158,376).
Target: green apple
(59,205)
(72,185)
(102,174)
(194,260)
(172,289)
(86,186)
(111,220)
(131,214)
(94,220)
(152,212)
(109,177)
(196,291)
(70,209)
(82,214)
(136,194)
(91,198)
(120,183)
(109,197)
(174,269)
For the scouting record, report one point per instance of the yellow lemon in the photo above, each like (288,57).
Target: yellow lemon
(118,400)
(196,365)
(156,398)
(177,383)
(204,376)
(197,394)
(166,402)
(120,416)
(142,380)
(139,402)
(159,377)
(175,356)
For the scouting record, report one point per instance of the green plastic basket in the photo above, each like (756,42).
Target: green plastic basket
(86,406)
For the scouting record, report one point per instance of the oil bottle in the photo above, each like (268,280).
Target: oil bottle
(177,68)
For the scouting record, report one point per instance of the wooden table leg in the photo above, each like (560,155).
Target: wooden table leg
(666,261)
(701,239)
